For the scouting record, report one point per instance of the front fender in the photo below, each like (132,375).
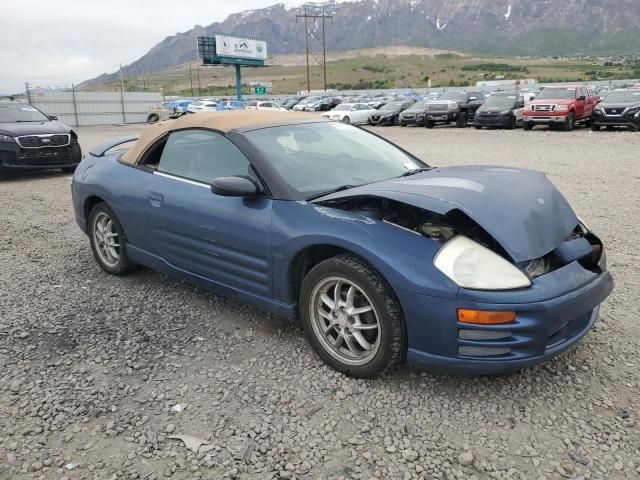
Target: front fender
(403,258)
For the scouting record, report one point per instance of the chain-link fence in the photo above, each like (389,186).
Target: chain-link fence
(96,108)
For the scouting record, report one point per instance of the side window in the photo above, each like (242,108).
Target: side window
(202,156)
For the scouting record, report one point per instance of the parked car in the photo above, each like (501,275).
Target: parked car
(500,110)
(389,114)
(328,104)
(204,106)
(414,115)
(429,97)
(301,106)
(621,108)
(453,107)
(179,106)
(378,102)
(266,106)
(562,106)
(232,104)
(292,102)
(354,113)
(33,140)
(314,105)
(380,258)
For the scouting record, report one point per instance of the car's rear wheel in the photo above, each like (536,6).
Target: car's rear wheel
(108,241)
(527,126)
(351,317)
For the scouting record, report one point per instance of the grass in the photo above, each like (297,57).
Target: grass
(380,71)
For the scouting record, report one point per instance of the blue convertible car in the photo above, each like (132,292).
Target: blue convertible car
(383,258)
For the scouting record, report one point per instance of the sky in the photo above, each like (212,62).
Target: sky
(60,42)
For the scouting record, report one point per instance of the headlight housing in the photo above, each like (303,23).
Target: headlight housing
(562,108)
(506,112)
(7,139)
(470,265)
(453,106)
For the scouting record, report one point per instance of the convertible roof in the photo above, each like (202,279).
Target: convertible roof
(221,121)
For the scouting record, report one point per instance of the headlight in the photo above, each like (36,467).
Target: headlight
(470,265)
(505,112)
(633,111)
(453,106)
(562,108)
(7,139)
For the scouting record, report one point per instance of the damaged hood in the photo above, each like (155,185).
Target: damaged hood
(521,209)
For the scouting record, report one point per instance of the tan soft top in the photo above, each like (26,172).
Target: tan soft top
(221,121)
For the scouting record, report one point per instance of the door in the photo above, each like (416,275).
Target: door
(224,239)
(580,104)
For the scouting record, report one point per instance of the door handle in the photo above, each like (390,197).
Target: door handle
(155,198)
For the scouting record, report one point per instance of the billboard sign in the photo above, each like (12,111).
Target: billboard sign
(240,47)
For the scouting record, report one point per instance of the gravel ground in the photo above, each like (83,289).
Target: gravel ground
(96,367)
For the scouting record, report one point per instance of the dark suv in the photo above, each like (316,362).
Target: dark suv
(621,108)
(458,107)
(31,140)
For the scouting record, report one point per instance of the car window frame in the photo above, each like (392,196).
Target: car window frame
(139,163)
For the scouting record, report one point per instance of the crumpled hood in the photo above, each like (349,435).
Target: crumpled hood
(521,209)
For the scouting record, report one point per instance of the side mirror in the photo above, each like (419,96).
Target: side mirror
(236,186)
(52,117)
(582,98)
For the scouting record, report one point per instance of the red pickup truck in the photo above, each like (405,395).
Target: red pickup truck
(561,106)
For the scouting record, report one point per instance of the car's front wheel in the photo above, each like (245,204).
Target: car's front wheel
(108,241)
(346,120)
(351,317)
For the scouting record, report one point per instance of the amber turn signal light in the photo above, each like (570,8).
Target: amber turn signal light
(485,317)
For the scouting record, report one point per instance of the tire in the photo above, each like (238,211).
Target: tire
(153,118)
(610,128)
(346,120)
(477,127)
(117,263)
(395,121)
(569,123)
(386,342)
(595,128)
(428,124)
(512,123)
(527,126)
(69,169)
(461,122)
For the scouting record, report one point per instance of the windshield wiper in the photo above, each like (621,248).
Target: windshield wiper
(329,192)
(415,170)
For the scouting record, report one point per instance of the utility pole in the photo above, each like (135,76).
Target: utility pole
(306,17)
(198,78)
(27,88)
(124,117)
(191,80)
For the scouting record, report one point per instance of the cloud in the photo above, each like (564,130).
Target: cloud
(48,42)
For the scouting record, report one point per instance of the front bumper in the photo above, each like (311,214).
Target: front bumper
(15,158)
(442,117)
(599,119)
(412,119)
(550,119)
(492,120)
(380,120)
(543,328)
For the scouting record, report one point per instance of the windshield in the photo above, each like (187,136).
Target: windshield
(418,105)
(454,96)
(318,157)
(20,112)
(500,101)
(557,94)
(393,106)
(623,97)
(344,106)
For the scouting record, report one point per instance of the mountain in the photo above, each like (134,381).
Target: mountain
(498,27)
